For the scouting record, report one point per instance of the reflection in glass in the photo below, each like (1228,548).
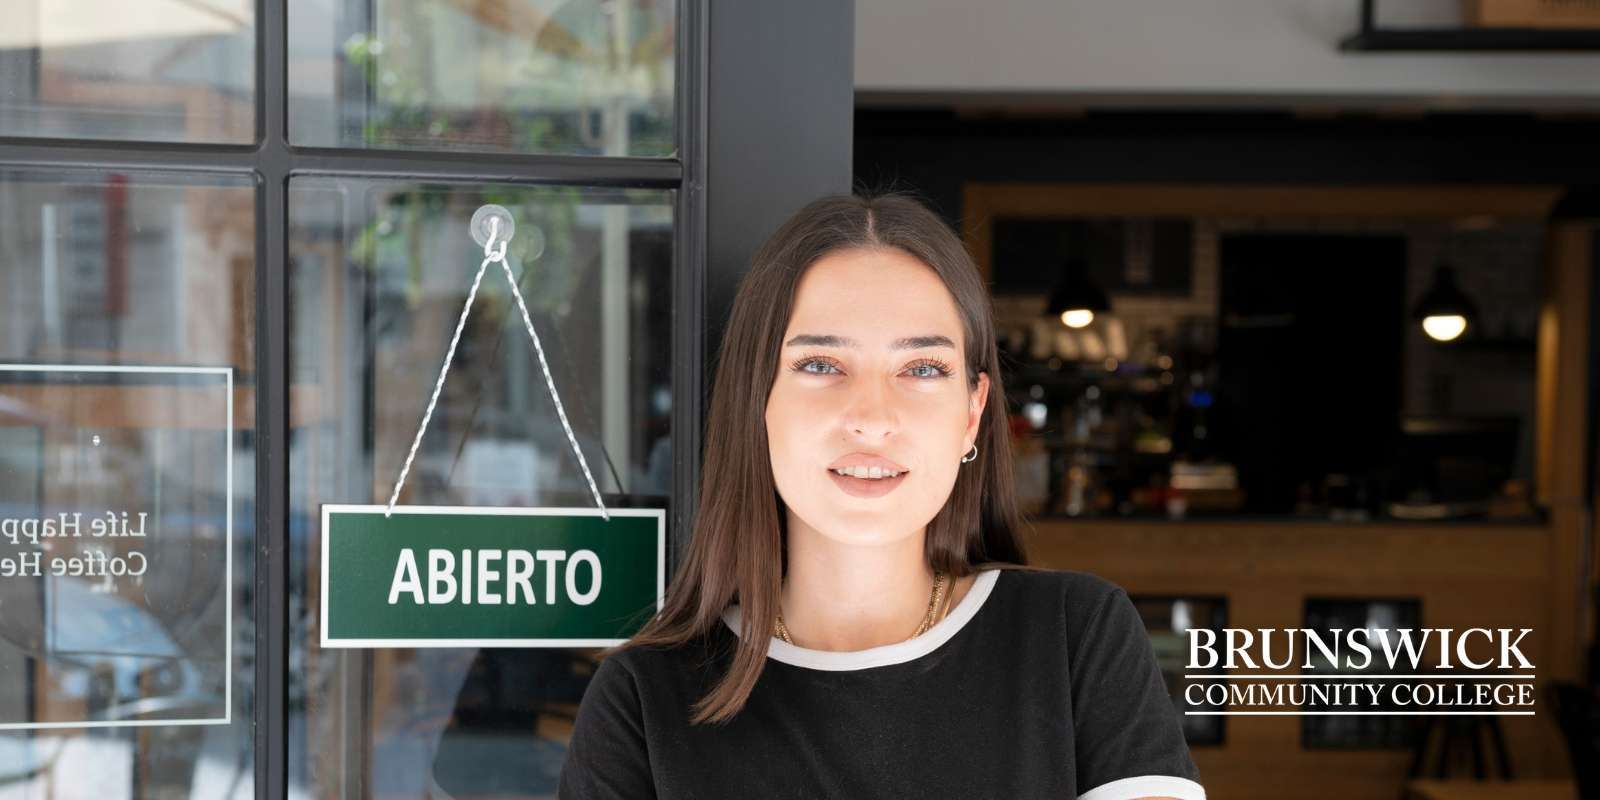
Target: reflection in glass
(378,274)
(1168,621)
(1327,616)
(126,488)
(149,70)
(1194,394)
(582,77)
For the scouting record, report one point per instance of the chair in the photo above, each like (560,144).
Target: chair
(1461,731)
(1577,713)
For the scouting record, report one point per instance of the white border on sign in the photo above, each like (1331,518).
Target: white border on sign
(344,643)
(227,645)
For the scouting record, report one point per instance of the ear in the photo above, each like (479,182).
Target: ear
(979,399)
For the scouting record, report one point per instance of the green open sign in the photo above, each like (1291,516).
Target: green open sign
(454,576)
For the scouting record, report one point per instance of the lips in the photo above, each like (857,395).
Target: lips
(866,487)
(867,460)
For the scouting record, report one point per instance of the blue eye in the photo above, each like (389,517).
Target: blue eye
(939,368)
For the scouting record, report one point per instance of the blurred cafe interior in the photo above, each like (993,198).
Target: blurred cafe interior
(1297,299)
(1297,336)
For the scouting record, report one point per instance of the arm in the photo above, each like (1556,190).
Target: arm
(1129,738)
(607,756)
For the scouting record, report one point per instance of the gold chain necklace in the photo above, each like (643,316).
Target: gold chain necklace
(935,602)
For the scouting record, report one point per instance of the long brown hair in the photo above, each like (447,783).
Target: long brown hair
(738,548)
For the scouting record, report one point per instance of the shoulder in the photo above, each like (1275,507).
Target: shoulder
(1080,605)
(1077,591)
(644,671)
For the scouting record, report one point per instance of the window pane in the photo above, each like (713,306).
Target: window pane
(127,318)
(1169,620)
(1207,384)
(585,77)
(1329,615)
(379,272)
(150,70)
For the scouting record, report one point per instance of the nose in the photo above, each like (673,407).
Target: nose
(871,414)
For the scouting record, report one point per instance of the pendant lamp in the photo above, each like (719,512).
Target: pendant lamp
(1076,299)
(1444,310)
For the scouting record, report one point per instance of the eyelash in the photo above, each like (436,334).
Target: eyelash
(943,368)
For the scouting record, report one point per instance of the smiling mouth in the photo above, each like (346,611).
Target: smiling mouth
(867,487)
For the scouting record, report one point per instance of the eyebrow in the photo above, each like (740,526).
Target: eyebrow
(906,343)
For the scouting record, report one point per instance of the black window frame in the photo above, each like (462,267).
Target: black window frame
(271,161)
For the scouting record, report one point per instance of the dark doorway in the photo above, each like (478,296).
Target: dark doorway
(1309,350)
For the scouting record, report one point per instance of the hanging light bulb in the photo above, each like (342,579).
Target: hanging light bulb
(1444,310)
(1077,317)
(1444,328)
(1076,299)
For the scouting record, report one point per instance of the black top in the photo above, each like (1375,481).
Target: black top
(1037,684)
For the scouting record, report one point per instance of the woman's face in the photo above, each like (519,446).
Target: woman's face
(871,373)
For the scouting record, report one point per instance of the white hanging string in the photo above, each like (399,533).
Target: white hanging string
(449,356)
(493,255)
(545,368)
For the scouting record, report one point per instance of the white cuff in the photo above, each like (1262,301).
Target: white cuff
(1146,786)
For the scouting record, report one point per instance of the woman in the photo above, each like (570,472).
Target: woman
(853,618)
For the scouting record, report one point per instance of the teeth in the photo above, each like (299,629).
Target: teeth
(868,473)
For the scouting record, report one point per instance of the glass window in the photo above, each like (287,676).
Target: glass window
(127,318)
(585,77)
(1255,367)
(379,271)
(1168,621)
(1326,616)
(149,70)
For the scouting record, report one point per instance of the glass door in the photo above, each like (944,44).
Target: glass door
(234,242)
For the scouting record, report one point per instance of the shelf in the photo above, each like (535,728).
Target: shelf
(1370,38)
(1287,521)
(1487,40)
